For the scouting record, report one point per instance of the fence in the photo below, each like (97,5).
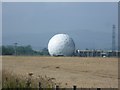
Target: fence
(75,88)
(28,87)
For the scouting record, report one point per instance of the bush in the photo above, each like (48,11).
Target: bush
(12,80)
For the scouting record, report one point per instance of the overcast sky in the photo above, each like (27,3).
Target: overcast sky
(89,23)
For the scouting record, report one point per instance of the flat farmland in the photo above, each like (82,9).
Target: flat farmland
(85,72)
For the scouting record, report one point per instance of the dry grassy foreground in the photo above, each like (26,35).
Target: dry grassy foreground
(69,71)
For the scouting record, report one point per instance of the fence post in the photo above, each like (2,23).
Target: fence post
(98,89)
(74,87)
(57,87)
(40,86)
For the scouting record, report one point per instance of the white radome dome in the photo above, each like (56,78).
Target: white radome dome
(61,45)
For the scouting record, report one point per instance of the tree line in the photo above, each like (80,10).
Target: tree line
(21,50)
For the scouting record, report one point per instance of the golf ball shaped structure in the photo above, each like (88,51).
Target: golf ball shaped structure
(61,45)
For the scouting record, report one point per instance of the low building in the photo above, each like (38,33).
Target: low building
(97,53)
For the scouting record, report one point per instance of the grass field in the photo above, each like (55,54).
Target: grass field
(68,71)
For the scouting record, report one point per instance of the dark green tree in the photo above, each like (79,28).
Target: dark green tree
(45,51)
(7,50)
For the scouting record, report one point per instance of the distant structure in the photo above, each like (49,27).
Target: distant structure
(113,38)
(102,53)
(113,41)
(96,53)
(61,45)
